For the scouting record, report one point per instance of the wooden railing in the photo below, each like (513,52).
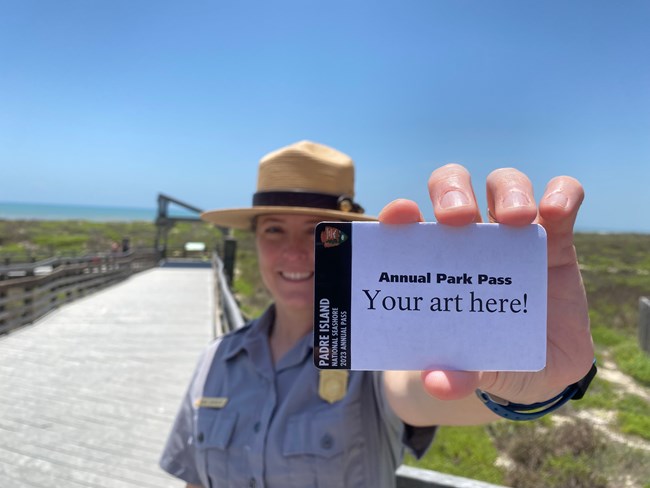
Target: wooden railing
(29,291)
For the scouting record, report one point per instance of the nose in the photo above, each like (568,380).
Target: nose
(298,247)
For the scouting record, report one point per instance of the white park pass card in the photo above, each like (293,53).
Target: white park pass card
(429,296)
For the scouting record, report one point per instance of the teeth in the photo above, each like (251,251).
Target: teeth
(296,276)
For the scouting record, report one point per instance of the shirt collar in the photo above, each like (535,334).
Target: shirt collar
(255,342)
(297,354)
(254,337)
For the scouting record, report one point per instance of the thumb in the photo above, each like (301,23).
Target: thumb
(450,385)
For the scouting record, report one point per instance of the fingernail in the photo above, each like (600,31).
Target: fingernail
(454,198)
(557,199)
(516,198)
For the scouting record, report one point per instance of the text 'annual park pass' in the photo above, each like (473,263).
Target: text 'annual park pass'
(429,296)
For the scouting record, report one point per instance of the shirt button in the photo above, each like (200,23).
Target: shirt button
(257,426)
(326,442)
(252,483)
(200,437)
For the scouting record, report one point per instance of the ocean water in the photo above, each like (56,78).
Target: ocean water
(43,211)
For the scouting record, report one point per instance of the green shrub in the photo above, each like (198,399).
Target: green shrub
(566,456)
(61,242)
(570,471)
(604,336)
(13,248)
(634,416)
(462,451)
(634,424)
(633,361)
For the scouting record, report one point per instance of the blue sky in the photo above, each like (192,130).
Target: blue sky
(109,102)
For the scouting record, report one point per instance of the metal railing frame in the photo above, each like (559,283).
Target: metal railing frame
(410,477)
(226,314)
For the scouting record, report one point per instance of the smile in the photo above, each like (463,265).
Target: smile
(296,276)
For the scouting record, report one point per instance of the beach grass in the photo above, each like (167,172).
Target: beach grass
(25,240)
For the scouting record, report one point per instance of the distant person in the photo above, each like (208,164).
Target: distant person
(115,247)
(254,415)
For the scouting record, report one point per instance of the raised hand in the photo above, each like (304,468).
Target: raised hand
(510,201)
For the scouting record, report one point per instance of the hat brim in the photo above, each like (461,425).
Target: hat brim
(242,218)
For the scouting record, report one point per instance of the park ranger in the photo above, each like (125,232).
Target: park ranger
(258,413)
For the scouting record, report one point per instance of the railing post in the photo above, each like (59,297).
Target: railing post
(229,252)
(28,302)
(644,324)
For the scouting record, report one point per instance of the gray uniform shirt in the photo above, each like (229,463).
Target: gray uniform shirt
(268,427)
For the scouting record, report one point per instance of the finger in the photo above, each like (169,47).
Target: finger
(510,197)
(558,210)
(452,196)
(559,206)
(401,212)
(450,385)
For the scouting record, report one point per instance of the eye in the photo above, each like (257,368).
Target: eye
(272,229)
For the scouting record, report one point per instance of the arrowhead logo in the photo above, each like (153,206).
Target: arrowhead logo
(332,237)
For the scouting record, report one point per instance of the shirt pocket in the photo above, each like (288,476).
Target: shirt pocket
(214,433)
(322,451)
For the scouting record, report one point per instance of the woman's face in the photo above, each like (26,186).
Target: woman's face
(285,247)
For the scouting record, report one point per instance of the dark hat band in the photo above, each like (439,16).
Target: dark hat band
(342,203)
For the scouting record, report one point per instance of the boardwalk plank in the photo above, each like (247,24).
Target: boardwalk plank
(88,393)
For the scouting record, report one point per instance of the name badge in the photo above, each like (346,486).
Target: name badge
(211,402)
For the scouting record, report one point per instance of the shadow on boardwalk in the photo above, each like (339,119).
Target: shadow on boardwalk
(88,393)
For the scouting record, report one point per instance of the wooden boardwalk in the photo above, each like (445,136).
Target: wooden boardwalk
(89,392)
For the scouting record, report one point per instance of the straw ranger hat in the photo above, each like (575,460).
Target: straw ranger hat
(304,178)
